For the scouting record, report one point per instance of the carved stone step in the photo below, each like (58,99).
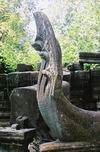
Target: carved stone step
(4,115)
(4,120)
(3,81)
(96,93)
(3,101)
(4,124)
(8,135)
(4,109)
(4,104)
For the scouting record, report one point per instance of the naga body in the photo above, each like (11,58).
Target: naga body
(66,121)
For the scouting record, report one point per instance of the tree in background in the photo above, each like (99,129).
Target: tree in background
(76,25)
(80,30)
(14,45)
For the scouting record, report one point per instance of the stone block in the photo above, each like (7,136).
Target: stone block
(66,76)
(24,103)
(66,88)
(24,67)
(74,67)
(3,81)
(80,79)
(22,79)
(96,93)
(87,104)
(95,78)
(4,95)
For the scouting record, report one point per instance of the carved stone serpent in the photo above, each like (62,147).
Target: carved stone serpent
(66,121)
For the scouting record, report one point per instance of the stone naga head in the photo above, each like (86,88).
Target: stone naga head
(48,48)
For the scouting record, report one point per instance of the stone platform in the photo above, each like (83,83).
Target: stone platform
(15,140)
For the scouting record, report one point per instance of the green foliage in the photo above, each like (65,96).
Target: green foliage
(76,24)
(4,67)
(83,32)
(14,48)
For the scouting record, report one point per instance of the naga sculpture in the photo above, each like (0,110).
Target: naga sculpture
(66,121)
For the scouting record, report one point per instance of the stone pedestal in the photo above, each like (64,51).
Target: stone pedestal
(24,103)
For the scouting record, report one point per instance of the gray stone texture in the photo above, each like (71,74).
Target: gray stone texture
(24,67)
(22,79)
(24,103)
(3,81)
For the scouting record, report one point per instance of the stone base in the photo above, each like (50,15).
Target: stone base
(70,147)
(24,103)
(15,140)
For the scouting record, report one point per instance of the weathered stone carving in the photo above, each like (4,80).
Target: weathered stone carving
(66,121)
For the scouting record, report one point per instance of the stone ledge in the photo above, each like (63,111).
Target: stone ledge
(7,135)
(70,147)
(22,79)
